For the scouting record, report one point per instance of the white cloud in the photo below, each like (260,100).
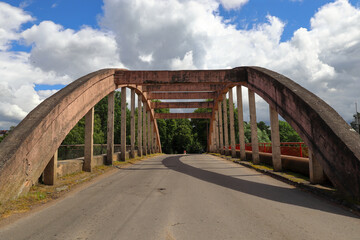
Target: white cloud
(11,19)
(233,4)
(181,34)
(68,52)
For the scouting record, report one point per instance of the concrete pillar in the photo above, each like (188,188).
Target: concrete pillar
(123,124)
(221,138)
(151,137)
(132,124)
(110,130)
(232,129)
(144,130)
(216,127)
(148,133)
(317,175)
(215,148)
(153,143)
(139,140)
(253,124)
(226,131)
(50,172)
(275,139)
(241,123)
(89,141)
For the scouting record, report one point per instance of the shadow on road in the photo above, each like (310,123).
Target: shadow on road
(274,193)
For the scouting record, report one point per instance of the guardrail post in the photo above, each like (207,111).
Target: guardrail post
(253,124)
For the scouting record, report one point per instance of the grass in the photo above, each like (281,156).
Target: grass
(40,194)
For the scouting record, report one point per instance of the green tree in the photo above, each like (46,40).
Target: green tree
(287,133)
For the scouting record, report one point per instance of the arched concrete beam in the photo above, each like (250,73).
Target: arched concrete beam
(30,146)
(333,142)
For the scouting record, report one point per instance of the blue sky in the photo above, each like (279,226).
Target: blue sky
(48,44)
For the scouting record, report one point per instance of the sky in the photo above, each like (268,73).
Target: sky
(45,45)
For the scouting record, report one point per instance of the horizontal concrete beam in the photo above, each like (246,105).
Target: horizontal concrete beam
(182,104)
(186,76)
(184,87)
(181,115)
(182,95)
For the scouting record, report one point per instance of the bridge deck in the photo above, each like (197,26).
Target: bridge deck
(187,197)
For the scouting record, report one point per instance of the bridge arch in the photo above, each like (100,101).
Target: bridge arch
(27,150)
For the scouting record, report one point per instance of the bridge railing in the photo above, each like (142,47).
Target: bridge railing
(74,151)
(296,149)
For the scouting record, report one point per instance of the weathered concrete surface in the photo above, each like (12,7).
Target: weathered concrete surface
(110,129)
(184,87)
(27,150)
(329,137)
(30,146)
(241,123)
(182,104)
(187,197)
(182,95)
(181,115)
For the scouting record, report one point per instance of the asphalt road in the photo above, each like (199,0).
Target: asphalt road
(187,197)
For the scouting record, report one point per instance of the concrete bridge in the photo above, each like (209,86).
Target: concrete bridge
(31,148)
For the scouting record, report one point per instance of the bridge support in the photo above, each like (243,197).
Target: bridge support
(221,142)
(253,124)
(144,129)
(50,172)
(232,130)
(123,124)
(226,130)
(89,141)
(148,133)
(275,139)
(132,124)
(139,140)
(110,130)
(241,123)
(216,130)
(316,172)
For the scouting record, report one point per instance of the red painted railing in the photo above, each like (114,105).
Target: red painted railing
(297,149)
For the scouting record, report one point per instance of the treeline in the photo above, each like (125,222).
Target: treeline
(176,135)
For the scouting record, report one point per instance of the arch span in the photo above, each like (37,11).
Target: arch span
(28,149)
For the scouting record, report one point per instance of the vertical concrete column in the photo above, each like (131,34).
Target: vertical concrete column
(110,130)
(317,175)
(89,141)
(139,125)
(123,124)
(50,172)
(144,130)
(148,133)
(151,137)
(232,129)
(275,139)
(226,131)
(221,138)
(241,123)
(217,147)
(253,124)
(132,124)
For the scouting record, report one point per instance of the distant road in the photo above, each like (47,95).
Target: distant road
(187,197)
